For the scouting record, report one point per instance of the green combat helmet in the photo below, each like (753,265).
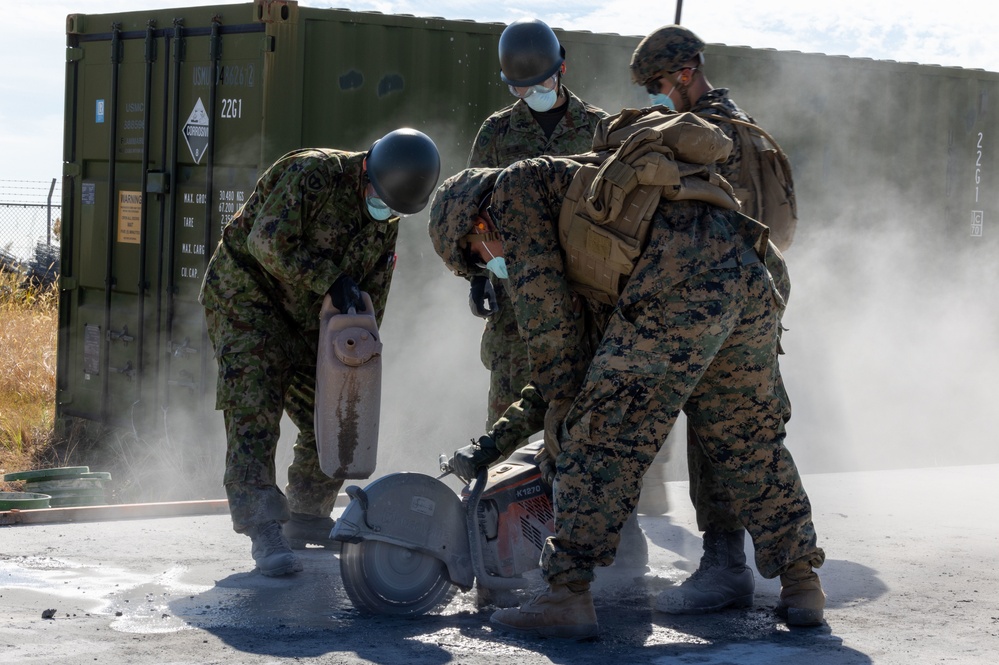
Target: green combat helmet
(453,213)
(665,50)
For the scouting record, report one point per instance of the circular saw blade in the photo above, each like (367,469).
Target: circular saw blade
(382,578)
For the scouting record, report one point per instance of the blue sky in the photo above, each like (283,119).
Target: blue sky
(958,33)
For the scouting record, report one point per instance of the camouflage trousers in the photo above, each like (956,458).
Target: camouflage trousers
(712,508)
(263,374)
(504,354)
(709,347)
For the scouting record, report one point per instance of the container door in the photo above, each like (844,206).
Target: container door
(163,124)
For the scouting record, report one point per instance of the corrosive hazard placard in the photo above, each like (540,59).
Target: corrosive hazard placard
(196,132)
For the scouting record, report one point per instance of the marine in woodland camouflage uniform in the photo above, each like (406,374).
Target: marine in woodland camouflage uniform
(695,329)
(300,230)
(506,136)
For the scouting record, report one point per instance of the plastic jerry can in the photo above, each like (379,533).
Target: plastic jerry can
(348,390)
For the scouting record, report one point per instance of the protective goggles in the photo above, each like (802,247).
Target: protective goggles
(654,85)
(523,92)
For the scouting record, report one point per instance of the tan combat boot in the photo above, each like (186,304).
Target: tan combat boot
(801,597)
(557,612)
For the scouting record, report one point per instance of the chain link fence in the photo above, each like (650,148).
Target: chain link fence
(29,226)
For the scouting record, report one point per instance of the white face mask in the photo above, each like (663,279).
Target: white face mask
(543,101)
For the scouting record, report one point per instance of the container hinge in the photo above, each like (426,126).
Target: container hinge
(68,283)
(74,54)
(115,335)
(127,370)
(157,182)
(184,348)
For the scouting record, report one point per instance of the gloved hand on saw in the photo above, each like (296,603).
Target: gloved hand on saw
(554,419)
(466,462)
(546,465)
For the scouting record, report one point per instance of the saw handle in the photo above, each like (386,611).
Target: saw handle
(357,494)
(445,464)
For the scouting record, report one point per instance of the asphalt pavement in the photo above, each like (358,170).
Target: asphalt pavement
(912,576)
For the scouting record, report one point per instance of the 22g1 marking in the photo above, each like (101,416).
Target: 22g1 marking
(978,165)
(232,109)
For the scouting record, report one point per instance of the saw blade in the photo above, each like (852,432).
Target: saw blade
(383,578)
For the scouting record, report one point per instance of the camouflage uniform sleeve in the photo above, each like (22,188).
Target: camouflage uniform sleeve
(484,152)
(377,281)
(526,204)
(278,239)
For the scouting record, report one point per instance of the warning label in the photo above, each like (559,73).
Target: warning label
(130,217)
(196,132)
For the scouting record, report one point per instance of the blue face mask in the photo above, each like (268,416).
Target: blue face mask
(377,208)
(659,99)
(662,100)
(542,101)
(497,265)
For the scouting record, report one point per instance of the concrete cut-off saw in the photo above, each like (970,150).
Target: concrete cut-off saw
(409,541)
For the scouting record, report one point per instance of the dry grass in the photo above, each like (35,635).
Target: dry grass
(27,373)
(144,467)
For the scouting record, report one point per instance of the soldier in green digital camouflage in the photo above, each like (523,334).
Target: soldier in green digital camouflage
(669,64)
(318,221)
(695,328)
(546,119)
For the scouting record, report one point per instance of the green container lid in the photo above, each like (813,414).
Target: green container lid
(61,493)
(69,502)
(62,484)
(23,500)
(48,474)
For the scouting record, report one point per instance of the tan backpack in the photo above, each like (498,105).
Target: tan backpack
(639,156)
(765,179)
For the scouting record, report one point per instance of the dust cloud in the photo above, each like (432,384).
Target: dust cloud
(890,349)
(890,354)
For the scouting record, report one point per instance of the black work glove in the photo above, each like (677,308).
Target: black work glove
(346,294)
(482,297)
(466,461)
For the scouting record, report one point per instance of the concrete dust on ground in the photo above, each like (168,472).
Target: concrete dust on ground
(911,575)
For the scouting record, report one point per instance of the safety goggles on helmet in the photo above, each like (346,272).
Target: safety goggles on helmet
(526,91)
(654,85)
